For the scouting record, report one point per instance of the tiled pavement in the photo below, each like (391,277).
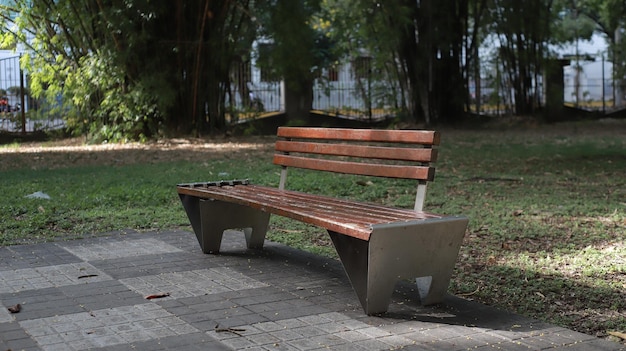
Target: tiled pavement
(90,294)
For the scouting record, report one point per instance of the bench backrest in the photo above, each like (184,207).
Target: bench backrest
(404,154)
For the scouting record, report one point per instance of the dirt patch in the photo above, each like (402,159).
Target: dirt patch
(74,152)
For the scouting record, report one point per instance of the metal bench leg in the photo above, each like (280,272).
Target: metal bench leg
(209,219)
(425,249)
(373,293)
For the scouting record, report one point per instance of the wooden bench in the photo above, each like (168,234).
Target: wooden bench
(377,244)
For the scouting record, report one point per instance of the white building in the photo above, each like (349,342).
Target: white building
(591,82)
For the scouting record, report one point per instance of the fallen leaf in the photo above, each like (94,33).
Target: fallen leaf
(470,293)
(15,309)
(540,294)
(290,230)
(157,296)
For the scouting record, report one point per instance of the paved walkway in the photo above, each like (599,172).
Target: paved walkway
(91,294)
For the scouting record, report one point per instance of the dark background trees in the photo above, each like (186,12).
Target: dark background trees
(135,69)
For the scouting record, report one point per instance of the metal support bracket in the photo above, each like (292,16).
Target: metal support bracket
(425,250)
(210,218)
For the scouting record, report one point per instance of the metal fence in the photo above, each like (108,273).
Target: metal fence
(18,111)
(354,90)
(587,85)
(251,93)
(348,90)
(596,95)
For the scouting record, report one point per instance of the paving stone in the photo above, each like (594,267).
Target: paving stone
(152,264)
(25,343)
(5,315)
(192,283)
(105,327)
(372,344)
(39,307)
(113,249)
(32,256)
(276,299)
(12,281)
(596,345)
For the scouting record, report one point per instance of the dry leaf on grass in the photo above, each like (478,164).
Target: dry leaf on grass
(618,334)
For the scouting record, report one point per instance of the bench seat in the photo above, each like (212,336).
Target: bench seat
(339,215)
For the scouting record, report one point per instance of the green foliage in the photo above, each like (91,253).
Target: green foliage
(113,114)
(250,129)
(362,29)
(294,40)
(132,69)
(571,23)
(523,31)
(93,88)
(135,69)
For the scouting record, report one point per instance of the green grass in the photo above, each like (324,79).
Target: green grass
(547,209)
(12,145)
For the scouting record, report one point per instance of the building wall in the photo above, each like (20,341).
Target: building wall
(590,79)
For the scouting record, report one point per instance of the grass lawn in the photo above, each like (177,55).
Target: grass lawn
(547,206)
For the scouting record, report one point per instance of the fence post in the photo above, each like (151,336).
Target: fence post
(603,88)
(22,106)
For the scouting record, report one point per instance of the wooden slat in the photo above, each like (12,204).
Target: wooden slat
(363,151)
(339,215)
(352,151)
(367,169)
(425,137)
(374,210)
(350,211)
(302,213)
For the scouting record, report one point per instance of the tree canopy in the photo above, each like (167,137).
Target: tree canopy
(135,69)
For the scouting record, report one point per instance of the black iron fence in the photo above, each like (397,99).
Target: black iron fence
(18,111)
(348,90)
(355,90)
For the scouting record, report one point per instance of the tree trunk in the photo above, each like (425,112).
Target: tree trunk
(298,102)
